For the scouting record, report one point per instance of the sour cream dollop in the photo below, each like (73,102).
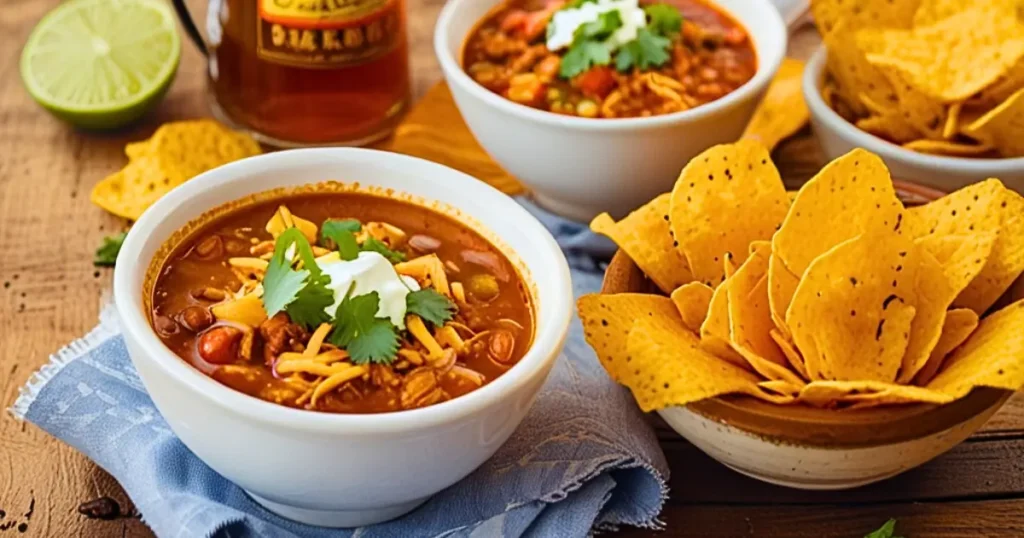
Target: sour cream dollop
(370,272)
(565,22)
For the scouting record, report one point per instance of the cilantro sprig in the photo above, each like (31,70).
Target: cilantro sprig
(303,294)
(106,255)
(357,329)
(590,47)
(340,235)
(430,305)
(886,531)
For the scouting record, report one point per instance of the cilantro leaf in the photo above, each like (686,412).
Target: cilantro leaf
(886,531)
(664,19)
(377,344)
(430,305)
(106,255)
(583,55)
(647,50)
(600,29)
(359,331)
(301,293)
(373,244)
(340,234)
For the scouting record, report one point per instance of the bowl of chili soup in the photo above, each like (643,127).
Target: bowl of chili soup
(589,134)
(313,320)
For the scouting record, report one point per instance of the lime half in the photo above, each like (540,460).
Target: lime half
(100,64)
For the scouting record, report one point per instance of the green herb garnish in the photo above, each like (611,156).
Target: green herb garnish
(373,244)
(647,50)
(106,255)
(340,235)
(589,47)
(664,19)
(430,305)
(301,293)
(358,330)
(886,531)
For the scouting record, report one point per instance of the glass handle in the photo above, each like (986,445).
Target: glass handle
(190,26)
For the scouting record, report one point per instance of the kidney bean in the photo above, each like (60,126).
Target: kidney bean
(195,318)
(210,247)
(219,345)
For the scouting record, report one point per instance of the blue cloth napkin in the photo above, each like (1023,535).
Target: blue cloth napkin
(584,459)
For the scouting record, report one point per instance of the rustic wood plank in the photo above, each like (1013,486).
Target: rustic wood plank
(991,519)
(50,293)
(978,469)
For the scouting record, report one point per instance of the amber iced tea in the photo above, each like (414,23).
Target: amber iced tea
(310,72)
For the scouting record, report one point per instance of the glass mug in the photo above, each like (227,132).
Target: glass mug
(306,72)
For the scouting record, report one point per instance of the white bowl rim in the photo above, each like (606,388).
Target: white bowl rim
(134,321)
(768,65)
(813,78)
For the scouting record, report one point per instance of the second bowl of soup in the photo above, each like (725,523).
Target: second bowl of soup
(597,105)
(341,332)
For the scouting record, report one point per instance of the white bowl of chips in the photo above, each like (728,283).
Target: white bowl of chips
(935,88)
(821,341)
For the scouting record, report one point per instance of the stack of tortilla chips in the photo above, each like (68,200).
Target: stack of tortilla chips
(937,76)
(174,154)
(839,297)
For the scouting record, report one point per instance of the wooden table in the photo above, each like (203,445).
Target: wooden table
(50,294)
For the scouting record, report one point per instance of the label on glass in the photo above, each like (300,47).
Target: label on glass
(326,33)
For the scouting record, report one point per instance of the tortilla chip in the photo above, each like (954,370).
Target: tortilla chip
(1002,89)
(926,114)
(792,355)
(993,356)
(668,367)
(853,310)
(715,331)
(889,126)
(783,110)
(1002,127)
(782,285)
(942,59)
(850,196)
(983,208)
(866,13)
(645,235)
(750,321)
(780,387)
(962,256)
(136,150)
(607,320)
(952,125)
(871,393)
(855,76)
(692,300)
(959,325)
(930,292)
(948,148)
(131,191)
(725,198)
(933,11)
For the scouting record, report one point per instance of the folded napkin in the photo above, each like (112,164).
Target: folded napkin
(583,459)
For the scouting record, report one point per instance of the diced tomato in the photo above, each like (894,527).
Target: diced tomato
(597,82)
(514,21)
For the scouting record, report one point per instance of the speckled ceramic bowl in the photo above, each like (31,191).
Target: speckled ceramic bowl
(809,448)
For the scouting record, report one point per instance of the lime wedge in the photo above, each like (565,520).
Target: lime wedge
(100,64)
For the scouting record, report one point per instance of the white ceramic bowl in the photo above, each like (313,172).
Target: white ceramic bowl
(838,137)
(581,167)
(331,469)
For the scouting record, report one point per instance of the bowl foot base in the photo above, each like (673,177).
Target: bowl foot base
(815,485)
(337,518)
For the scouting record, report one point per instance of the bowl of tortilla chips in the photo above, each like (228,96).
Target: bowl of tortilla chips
(822,339)
(934,87)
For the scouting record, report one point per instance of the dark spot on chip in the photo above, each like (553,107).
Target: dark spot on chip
(853,312)
(604,323)
(878,331)
(711,177)
(899,220)
(853,281)
(665,385)
(666,218)
(953,213)
(903,254)
(899,268)
(675,243)
(889,299)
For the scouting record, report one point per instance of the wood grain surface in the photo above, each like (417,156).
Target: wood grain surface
(50,294)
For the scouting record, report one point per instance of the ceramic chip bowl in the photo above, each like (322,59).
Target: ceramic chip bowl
(809,448)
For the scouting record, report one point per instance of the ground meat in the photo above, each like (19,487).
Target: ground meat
(279,335)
